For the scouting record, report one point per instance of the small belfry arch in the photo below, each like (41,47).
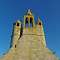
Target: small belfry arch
(28,19)
(39,22)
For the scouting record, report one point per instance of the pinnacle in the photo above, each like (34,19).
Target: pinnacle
(29,12)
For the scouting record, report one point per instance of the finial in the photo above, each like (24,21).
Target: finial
(29,12)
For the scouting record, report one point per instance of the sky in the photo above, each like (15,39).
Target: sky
(48,10)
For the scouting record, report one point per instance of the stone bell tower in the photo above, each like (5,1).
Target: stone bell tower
(33,29)
(28,41)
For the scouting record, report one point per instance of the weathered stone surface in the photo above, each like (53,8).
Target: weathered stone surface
(28,43)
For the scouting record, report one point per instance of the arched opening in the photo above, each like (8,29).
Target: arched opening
(31,22)
(26,19)
(39,23)
(26,22)
(17,24)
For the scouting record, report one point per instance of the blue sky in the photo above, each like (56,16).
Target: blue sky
(48,10)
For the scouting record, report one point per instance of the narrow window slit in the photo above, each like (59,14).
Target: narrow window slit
(15,46)
(26,22)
